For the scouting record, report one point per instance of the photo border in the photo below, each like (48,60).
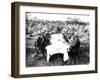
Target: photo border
(15,32)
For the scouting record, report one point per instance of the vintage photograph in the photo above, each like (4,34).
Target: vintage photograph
(55,39)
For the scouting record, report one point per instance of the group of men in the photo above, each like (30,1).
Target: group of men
(67,43)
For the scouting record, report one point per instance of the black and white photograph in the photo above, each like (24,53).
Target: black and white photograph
(51,39)
(57,39)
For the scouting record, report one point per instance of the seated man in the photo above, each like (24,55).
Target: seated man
(74,47)
(73,39)
(41,43)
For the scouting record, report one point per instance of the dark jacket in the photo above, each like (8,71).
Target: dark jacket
(74,47)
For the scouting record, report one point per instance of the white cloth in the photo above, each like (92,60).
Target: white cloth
(58,45)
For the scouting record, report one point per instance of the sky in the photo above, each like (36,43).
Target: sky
(54,16)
